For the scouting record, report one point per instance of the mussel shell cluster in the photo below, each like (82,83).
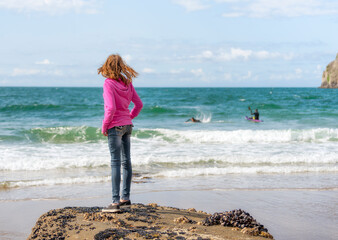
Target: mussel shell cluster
(235,218)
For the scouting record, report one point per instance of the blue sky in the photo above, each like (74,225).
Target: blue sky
(171,43)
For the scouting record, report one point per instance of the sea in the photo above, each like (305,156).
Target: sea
(52,148)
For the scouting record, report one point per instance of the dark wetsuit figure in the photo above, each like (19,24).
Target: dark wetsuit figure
(193,120)
(256,114)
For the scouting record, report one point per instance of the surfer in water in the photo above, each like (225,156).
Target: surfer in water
(256,114)
(192,119)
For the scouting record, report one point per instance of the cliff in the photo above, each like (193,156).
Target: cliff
(330,75)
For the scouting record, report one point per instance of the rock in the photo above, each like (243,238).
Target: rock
(251,231)
(192,229)
(192,210)
(266,235)
(330,75)
(154,205)
(238,219)
(142,222)
(183,219)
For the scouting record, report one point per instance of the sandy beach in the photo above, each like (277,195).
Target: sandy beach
(287,214)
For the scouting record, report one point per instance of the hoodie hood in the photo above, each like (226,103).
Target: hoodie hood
(119,86)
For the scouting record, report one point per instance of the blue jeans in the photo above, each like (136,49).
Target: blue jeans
(119,146)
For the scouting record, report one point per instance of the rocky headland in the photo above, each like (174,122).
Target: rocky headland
(330,75)
(147,222)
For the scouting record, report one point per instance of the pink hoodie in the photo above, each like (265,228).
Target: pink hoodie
(117,97)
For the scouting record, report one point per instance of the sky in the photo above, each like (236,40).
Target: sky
(170,43)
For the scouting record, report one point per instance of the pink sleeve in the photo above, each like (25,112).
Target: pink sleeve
(137,104)
(109,105)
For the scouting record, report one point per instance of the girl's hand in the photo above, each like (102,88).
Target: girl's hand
(105,134)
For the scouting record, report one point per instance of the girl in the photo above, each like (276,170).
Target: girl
(118,92)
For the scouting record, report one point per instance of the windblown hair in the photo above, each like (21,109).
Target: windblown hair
(115,68)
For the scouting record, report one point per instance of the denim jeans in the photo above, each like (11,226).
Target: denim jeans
(119,146)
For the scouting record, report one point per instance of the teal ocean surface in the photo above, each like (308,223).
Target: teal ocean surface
(50,139)
(59,128)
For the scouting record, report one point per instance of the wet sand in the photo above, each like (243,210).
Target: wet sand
(288,214)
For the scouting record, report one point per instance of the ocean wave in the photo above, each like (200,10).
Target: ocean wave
(62,181)
(64,134)
(213,171)
(31,107)
(85,134)
(36,157)
(54,181)
(271,106)
(240,160)
(241,136)
(157,110)
(156,157)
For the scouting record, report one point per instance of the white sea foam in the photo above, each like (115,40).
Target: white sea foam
(204,117)
(193,172)
(55,181)
(152,153)
(53,156)
(193,152)
(230,159)
(248,136)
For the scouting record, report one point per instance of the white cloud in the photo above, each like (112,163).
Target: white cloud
(319,70)
(233,14)
(270,55)
(148,70)
(25,72)
(248,75)
(31,72)
(227,1)
(43,62)
(236,53)
(227,76)
(264,8)
(197,72)
(176,71)
(278,8)
(191,5)
(242,54)
(59,72)
(207,54)
(51,6)
(298,71)
(297,74)
(264,54)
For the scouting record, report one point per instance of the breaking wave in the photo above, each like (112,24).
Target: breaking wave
(85,134)
(241,136)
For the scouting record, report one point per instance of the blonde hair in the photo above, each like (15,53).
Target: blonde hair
(115,68)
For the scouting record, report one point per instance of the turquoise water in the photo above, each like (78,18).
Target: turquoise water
(298,134)
(28,114)
(52,148)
